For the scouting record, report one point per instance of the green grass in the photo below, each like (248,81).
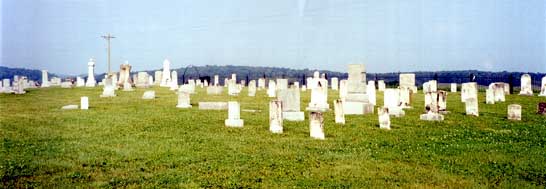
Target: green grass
(129,142)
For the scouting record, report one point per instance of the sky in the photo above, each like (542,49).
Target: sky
(387,36)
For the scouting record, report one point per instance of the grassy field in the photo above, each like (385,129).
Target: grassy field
(129,142)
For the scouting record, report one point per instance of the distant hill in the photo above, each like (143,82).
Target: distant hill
(254,72)
(32,74)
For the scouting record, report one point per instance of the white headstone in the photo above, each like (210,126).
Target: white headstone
(391,100)
(343,89)
(290,99)
(109,88)
(469,90)
(272,89)
(80,82)
(148,95)
(124,74)
(143,80)
(381,85)
(453,87)
(408,81)
(472,106)
(543,87)
(234,111)
(514,112)
(166,74)
(252,88)
(84,103)
(183,100)
(356,101)
(338,111)
(282,84)
(45,80)
(526,87)
(91,82)
(335,83)
(158,77)
(211,90)
(370,90)
(174,81)
(275,116)
(384,118)
(261,83)
(216,80)
(316,125)
(319,97)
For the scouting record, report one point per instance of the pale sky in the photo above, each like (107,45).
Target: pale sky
(387,36)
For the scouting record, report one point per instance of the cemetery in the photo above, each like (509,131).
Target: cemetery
(134,131)
(273,94)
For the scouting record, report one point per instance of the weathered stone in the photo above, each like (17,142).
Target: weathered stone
(252,88)
(234,119)
(91,82)
(109,88)
(272,89)
(84,103)
(275,116)
(174,81)
(282,84)
(514,112)
(431,116)
(183,100)
(70,107)
(469,90)
(338,110)
(526,87)
(124,74)
(371,92)
(408,81)
(453,87)
(316,125)
(472,106)
(384,118)
(45,80)
(148,95)
(381,85)
(166,74)
(319,97)
(489,96)
(335,83)
(213,90)
(543,87)
(213,105)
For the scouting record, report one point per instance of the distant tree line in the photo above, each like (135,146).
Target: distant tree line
(255,72)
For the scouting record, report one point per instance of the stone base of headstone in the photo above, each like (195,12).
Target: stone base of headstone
(234,122)
(148,95)
(357,108)
(70,107)
(432,117)
(213,105)
(183,106)
(397,111)
(127,87)
(526,93)
(293,116)
(318,107)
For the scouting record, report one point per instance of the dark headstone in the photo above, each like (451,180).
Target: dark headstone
(541,108)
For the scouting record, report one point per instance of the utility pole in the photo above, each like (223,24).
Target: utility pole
(108,37)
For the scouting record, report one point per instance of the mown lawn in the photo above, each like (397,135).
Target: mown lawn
(129,142)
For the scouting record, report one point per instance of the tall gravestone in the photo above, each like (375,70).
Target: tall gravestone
(142,80)
(338,112)
(275,116)
(91,82)
(158,77)
(335,83)
(357,101)
(166,74)
(543,87)
(343,89)
(381,85)
(272,89)
(124,74)
(109,88)
(174,81)
(370,90)
(526,87)
(469,90)
(45,79)
(252,88)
